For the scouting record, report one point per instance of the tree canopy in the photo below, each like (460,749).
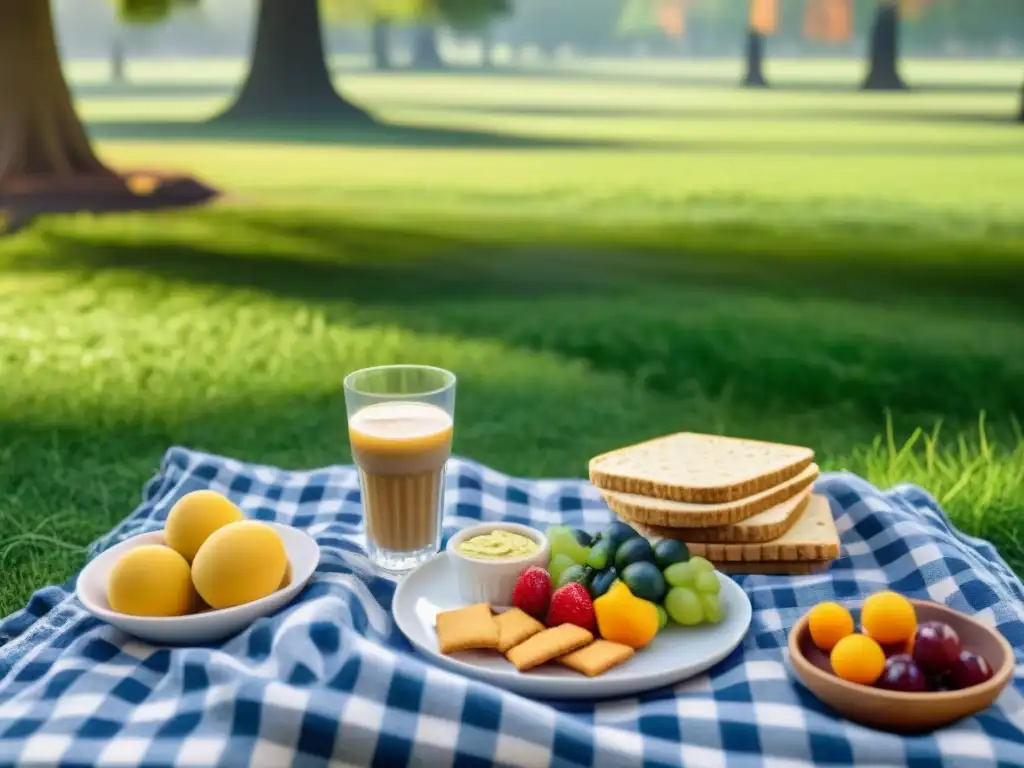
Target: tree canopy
(363,11)
(461,15)
(150,11)
(467,15)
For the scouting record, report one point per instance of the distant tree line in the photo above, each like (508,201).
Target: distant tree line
(666,27)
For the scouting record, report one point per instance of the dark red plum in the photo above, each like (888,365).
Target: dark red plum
(969,670)
(902,674)
(936,647)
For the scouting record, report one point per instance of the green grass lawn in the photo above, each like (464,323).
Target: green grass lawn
(600,258)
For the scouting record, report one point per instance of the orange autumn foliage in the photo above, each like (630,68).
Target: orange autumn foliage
(764,16)
(829,21)
(672,17)
(912,10)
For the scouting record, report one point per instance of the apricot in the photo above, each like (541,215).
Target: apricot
(858,659)
(829,623)
(889,618)
(239,563)
(151,580)
(194,517)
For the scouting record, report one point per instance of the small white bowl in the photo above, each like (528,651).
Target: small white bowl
(492,581)
(198,628)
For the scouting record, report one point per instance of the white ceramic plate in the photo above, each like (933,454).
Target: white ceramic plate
(677,653)
(200,628)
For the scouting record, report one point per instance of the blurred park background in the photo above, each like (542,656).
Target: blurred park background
(795,220)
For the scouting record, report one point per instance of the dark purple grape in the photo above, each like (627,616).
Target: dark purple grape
(936,647)
(970,669)
(940,683)
(902,674)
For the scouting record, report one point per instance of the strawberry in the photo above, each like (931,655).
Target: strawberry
(571,604)
(532,592)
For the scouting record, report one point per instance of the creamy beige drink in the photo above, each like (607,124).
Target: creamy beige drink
(400,448)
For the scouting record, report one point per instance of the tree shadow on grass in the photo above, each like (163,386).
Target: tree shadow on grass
(346,262)
(398,135)
(143,90)
(764,332)
(314,256)
(684,79)
(736,112)
(803,86)
(169,90)
(328,133)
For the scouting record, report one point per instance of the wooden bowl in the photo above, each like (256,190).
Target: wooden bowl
(894,710)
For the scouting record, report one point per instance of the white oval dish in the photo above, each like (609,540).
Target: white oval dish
(676,654)
(492,581)
(199,628)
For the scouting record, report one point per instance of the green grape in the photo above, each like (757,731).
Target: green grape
(557,566)
(581,554)
(712,607)
(701,564)
(601,554)
(706,583)
(662,617)
(684,607)
(680,575)
(564,542)
(557,539)
(574,573)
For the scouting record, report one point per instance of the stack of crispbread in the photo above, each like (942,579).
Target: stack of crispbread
(747,506)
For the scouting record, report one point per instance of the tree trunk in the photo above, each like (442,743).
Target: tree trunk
(47,164)
(486,48)
(755,60)
(1021,117)
(41,137)
(288,79)
(117,56)
(883,54)
(380,42)
(424,48)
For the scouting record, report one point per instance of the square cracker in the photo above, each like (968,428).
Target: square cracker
(548,645)
(515,626)
(467,628)
(597,658)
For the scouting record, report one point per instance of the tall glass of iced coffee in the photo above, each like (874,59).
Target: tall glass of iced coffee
(400,422)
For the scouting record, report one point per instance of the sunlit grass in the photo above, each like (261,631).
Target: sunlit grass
(717,263)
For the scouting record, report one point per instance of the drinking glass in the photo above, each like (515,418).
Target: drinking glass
(400,424)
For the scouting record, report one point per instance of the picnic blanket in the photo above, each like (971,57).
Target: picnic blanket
(331,680)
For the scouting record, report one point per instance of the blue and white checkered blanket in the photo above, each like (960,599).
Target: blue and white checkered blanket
(330,679)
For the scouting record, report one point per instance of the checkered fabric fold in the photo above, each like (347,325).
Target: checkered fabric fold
(330,679)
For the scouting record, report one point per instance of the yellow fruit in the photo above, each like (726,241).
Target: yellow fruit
(194,517)
(239,563)
(859,659)
(889,618)
(151,580)
(625,618)
(829,623)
